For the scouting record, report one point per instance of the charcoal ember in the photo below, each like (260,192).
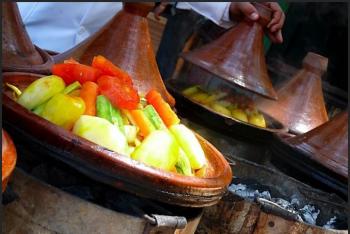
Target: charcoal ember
(331,223)
(251,194)
(309,214)
(281,202)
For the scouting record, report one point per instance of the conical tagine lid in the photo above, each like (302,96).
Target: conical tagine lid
(238,56)
(300,105)
(18,51)
(126,41)
(327,144)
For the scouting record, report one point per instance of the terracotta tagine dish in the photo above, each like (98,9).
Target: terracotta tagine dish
(320,154)
(238,56)
(132,54)
(18,52)
(300,105)
(9,158)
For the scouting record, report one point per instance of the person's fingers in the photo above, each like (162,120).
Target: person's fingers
(159,10)
(242,10)
(248,10)
(276,18)
(279,25)
(276,37)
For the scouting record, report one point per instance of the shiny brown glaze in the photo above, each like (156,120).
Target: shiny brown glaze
(126,41)
(327,144)
(9,157)
(300,105)
(18,51)
(112,168)
(238,56)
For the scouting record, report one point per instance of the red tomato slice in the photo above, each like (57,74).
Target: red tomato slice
(71,72)
(120,94)
(108,68)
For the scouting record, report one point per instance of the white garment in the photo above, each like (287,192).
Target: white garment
(58,26)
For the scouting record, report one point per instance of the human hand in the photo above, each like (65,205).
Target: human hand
(160,9)
(246,11)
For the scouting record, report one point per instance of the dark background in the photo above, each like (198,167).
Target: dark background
(321,28)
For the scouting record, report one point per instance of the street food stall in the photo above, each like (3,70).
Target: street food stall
(95,140)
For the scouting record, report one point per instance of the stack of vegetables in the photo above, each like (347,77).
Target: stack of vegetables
(100,104)
(237,107)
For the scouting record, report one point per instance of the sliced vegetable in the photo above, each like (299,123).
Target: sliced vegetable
(40,91)
(89,93)
(191,90)
(101,132)
(189,143)
(104,109)
(239,114)
(159,149)
(39,109)
(63,110)
(163,108)
(142,122)
(71,72)
(108,68)
(130,132)
(75,93)
(221,109)
(183,165)
(200,97)
(257,119)
(70,88)
(152,115)
(120,94)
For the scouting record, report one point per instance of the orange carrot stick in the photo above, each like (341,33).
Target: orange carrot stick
(164,110)
(89,92)
(141,120)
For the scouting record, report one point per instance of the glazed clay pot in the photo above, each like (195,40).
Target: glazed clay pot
(238,56)
(18,52)
(327,144)
(9,158)
(126,41)
(300,105)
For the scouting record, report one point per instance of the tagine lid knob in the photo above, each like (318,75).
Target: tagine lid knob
(316,63)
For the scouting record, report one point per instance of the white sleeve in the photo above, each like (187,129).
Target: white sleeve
(218,12)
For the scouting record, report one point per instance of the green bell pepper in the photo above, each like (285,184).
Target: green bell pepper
(40,91)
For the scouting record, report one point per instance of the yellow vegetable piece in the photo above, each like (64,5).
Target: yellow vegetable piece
(257,119)
(221,109)
(239,114)
(200,97)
